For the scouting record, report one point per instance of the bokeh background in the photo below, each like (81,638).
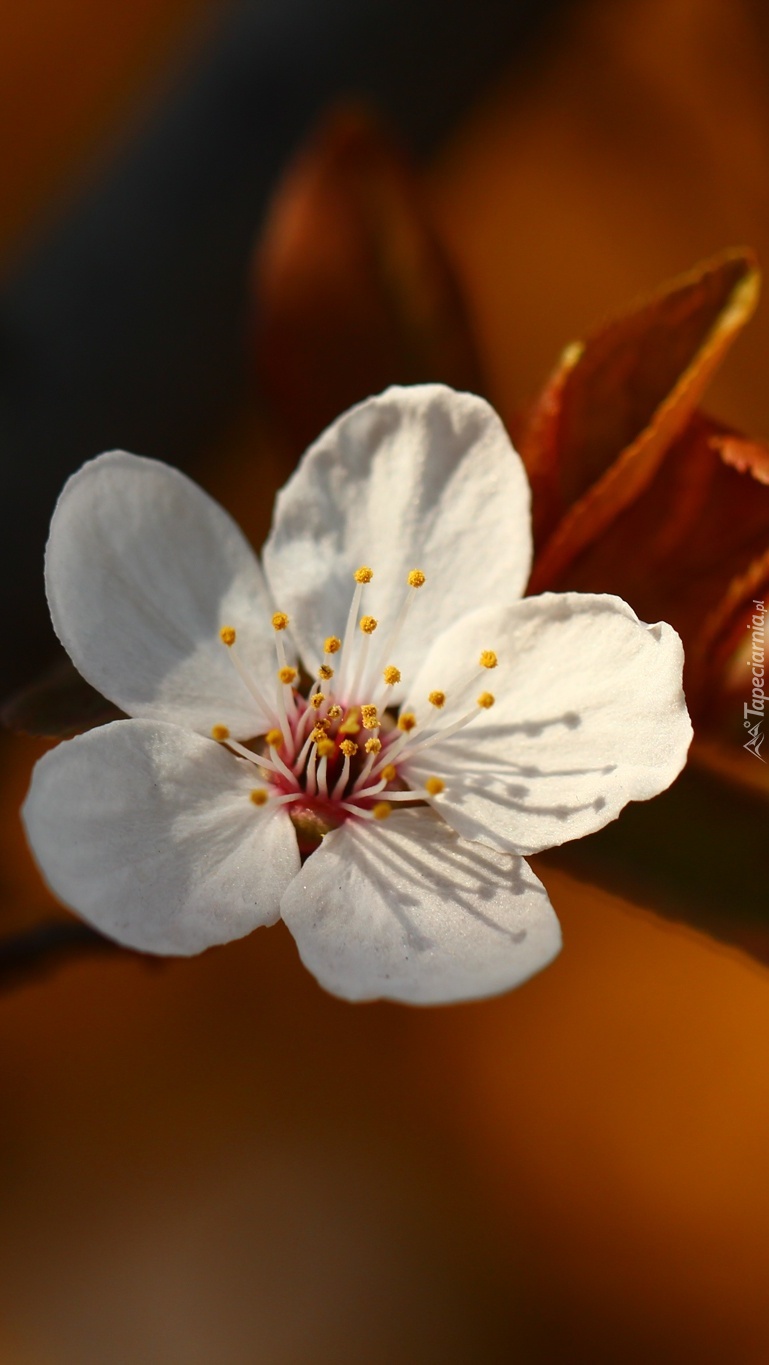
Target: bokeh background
(213,1161)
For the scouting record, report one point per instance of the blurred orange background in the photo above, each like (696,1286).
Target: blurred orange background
(213,1161)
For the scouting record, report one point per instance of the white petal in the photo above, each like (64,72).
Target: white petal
(149,833)
(421,478)
(404,909)
(589,714)
(142,570)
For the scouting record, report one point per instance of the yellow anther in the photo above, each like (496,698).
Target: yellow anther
(416,578)
(219,732)
(485,700)
(287,675)
(368,624)
(348,747)
(434,786)
(325,672)
(332,645)
(316,700)
(389,772)
(274,738)
(370,717)
(228,635)
(373,745)
(279,620)
(488,659)
(364,574)
(334,712)
(326,747)
(351,723)
(381,810)
(259,796)
(407,721)
(391,675)
(437,699)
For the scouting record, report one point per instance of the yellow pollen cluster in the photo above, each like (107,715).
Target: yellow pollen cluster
(220,732)
(373,745)
(325,672)
(287,675)
(316,700)
(485,700)
(332,645)
(325,747)
(259,796)
(279,620)
(389,772)
(381,810)
(364,574)
(407,721)
(368,624)
(369,717)
(434,786)
(318,734)
(488,659)
(391,675)
(437,699)
(348,747)
(416,578)
(334,712)
(274,738)
(228,635)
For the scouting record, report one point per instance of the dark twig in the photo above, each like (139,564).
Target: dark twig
(32,951)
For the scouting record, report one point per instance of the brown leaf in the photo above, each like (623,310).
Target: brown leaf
(692,550)
(57,704)
(599,431)
(352,290)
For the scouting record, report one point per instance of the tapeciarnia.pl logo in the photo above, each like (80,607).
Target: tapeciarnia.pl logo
(753,711)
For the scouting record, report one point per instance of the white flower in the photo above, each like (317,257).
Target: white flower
(436,729)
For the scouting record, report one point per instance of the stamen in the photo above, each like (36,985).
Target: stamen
(363,575)
(415,579)
(488,659)
(407,721)
(391,675)
(368,624)
(370,717)
(273,764)
(274,738)
(381,810)
(287,675)
(334,712)
(351,723)
(332,644)
(437,699)
(259,796)
(373,745)
(316,700)
(219,733)
(434,786)
(349,748)
(228,635)
(389,772)
(322,777)
(325,672)
(279,621)
(485,700)
(325,747)
(349,635)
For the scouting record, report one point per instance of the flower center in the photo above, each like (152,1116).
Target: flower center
(335,749)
